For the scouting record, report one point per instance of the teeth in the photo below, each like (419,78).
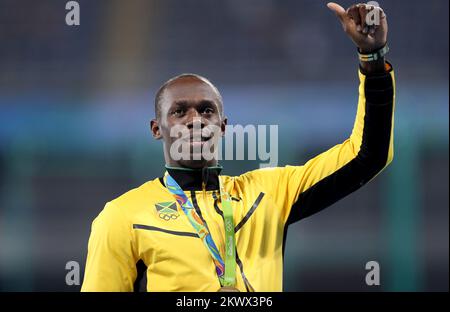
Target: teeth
(207,132)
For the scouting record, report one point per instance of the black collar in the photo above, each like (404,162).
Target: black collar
(193,179)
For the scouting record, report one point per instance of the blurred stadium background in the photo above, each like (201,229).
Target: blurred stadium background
(75,105)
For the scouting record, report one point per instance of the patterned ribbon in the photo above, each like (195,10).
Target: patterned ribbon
(226,277)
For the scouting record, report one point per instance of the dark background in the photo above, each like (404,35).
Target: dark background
(75,105)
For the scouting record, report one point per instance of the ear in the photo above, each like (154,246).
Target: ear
(154,128)
(223,126)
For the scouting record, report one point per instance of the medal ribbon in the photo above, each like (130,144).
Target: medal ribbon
(226,271)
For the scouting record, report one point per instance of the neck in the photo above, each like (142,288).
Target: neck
(194,179)
(188,169)
(191,164)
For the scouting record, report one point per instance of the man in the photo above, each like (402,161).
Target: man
(196,230)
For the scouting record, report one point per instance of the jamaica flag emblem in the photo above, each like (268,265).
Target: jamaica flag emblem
(167,210)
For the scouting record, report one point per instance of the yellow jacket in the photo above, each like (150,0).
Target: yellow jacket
(144,234)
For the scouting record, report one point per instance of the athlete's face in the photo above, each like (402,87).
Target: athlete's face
(191,106)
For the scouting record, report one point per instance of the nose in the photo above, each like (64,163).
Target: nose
(195,120)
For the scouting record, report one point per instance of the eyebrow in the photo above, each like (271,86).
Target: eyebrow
(180,103)
(201,102)
(207,103)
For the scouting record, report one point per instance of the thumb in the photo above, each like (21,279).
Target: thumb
(338,10)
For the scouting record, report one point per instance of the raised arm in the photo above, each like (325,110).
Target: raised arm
(346,167)
(300,191)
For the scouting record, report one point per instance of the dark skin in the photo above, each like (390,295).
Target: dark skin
(190,97)
(182,101)
(366,37)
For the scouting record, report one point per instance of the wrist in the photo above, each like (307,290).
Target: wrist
(373,62)
(371,49)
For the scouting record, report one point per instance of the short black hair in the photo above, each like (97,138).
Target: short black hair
(160,92)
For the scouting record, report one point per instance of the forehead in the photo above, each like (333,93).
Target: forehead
(189,89)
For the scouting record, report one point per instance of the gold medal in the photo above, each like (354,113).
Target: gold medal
(228,289)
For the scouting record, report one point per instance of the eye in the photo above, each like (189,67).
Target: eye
(177,112)
(208,110)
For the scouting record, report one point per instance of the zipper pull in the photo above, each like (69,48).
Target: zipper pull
(204,189)
(204,180)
